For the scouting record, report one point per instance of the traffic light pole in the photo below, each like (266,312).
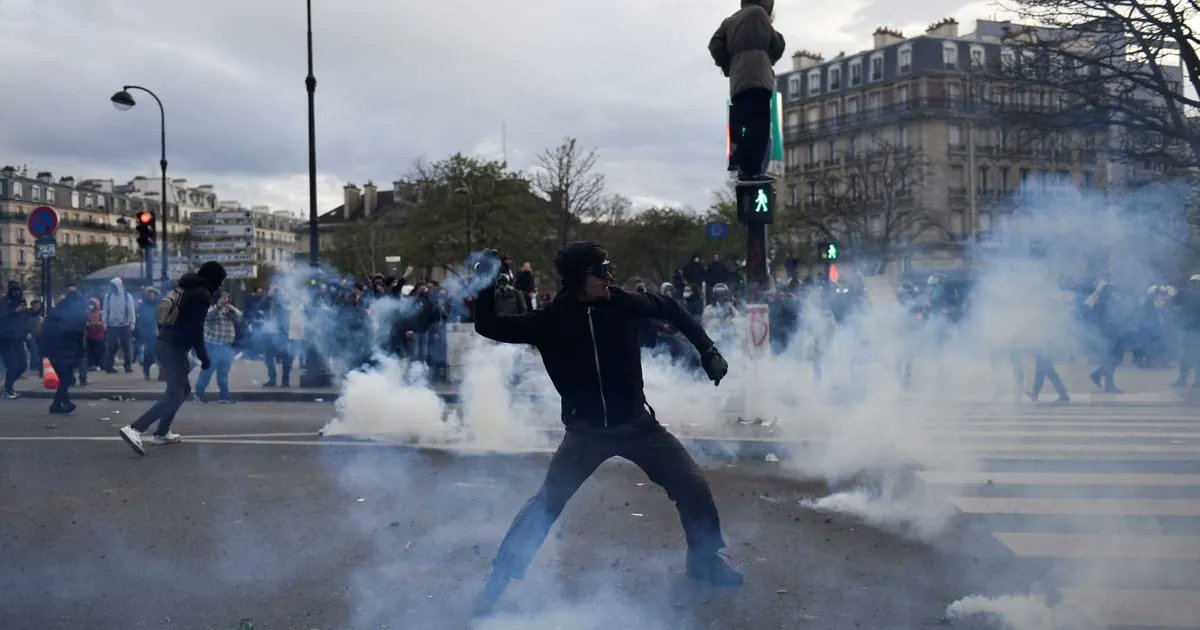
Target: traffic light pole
(756,209)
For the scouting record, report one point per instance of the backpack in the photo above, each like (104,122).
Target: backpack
(167,311)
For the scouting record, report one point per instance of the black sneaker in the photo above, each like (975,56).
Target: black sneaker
(712,569)
(62,410)
(486,600)
(269,384)
(9,396)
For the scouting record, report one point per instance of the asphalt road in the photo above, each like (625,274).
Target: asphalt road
(290,531)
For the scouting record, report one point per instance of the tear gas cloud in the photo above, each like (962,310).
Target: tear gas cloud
(861,400)
(840,389)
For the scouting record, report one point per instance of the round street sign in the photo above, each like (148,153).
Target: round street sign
(43,221)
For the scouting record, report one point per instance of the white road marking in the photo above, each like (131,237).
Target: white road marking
(1077,507)
(966,477)
(1158,608)
(1101,546)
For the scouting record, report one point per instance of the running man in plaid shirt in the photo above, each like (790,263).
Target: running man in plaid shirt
(220,330)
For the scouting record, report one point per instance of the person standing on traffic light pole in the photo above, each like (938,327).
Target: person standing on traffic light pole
(181,315)
(746,47)
(588,339)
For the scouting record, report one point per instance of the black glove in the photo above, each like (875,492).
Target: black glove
(205,364)
(714,365)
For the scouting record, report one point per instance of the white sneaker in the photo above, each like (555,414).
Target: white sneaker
(133,439)
(169,438)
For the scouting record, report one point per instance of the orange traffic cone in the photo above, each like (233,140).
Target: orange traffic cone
(49,376)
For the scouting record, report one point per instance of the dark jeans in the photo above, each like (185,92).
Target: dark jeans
(1044,370)
(1189,356)
(278,350)
(173,363)
(653,449)
(66,378)
(15,361)
(118,336)
(750,131)
(147,357)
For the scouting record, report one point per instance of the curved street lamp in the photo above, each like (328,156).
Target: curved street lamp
(123,101)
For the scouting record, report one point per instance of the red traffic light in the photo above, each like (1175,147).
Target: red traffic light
(145,217)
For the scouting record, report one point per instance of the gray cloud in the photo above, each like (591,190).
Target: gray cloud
(396,81)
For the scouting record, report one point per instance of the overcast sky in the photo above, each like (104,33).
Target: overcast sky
(397,81)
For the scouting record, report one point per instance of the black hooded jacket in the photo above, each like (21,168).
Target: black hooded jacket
(62,333)
(590,350)
(188,331)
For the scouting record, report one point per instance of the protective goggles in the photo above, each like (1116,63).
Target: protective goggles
(603,270)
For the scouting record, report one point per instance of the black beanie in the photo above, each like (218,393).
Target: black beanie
(574,260)
(212,273)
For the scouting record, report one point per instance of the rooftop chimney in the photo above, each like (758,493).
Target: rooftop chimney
(885,36)
(370,198)
(46,177)
(803,59)
(67,181)
(946,27)
(351,197)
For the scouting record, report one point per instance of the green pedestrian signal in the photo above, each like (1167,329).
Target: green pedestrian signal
(829,251)
(755,202)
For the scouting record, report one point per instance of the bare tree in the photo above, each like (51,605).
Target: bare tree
(868,204)
(565,175)
(1093,67)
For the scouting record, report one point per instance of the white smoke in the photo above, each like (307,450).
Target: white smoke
(1016,612)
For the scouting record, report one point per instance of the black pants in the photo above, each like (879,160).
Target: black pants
(750,131)
(653,449)
(15,361)
(1044,370)
(173,363)
(65,368)
(147,355)
(114,337)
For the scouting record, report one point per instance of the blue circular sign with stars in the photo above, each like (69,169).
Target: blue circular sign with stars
(43,221)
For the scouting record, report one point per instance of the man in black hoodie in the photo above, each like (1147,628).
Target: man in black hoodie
(183,332)
(62,343)
(588,339)
(14,329)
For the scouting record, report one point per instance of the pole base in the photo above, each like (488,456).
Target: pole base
(315,372)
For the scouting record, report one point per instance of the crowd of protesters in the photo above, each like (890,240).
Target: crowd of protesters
(349,322)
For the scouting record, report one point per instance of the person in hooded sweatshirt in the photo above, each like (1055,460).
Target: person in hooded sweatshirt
(120,317)
(587,337)
(14,329)
(176,338)
(62,343)
(746,47)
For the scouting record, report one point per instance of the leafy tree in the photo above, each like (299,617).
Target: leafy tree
(74,262)
(466,205)
(655,242)
(359,248)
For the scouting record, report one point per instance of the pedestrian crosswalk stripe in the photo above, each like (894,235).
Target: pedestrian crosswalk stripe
(1002,434)
(1064,425)
(1116,448)
(1101,546)
(1081,507)
(1092,416)
(966,477)
(1158,608)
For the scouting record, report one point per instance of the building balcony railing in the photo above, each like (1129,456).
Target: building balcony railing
(67,222)
(958,195)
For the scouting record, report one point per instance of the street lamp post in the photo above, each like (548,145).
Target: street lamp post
(465,189)
(123,101)
(310,84)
